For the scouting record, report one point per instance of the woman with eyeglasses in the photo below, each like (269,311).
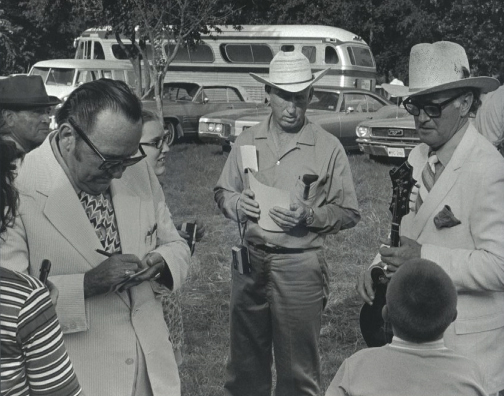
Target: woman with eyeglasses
(154,142)
(33,357)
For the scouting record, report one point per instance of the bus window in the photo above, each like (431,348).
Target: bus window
(119,53)
(310,52)
(239,53)
(98,51)
(201,53)
(40,71)
(287,48)
(60,77)
(361,56)
(331,57)
(182,53)
(262,53)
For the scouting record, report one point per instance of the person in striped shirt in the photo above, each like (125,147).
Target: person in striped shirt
(33,358)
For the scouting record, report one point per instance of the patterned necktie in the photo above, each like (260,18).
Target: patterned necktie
(428,178)
(100,211)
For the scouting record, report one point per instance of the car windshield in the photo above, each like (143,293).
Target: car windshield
(324,101)
(60,76)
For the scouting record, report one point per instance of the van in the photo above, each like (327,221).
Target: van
(62,76)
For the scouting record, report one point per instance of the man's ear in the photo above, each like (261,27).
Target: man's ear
(9,117)
(384,313)
(66,137)
(465,103)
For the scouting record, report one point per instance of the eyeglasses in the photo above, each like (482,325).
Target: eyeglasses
(433,110)
(158,142)
(107,164)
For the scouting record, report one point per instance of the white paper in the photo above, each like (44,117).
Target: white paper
(249,157)
(267,197)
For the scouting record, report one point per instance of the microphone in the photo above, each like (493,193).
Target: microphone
(307,180)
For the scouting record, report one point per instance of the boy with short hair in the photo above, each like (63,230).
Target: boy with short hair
(421,304)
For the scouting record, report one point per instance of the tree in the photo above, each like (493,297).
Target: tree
(158,29)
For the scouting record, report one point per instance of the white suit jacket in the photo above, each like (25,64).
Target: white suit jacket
(472,253)
(101,332)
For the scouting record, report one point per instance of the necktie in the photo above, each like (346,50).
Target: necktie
(428,178)
(100,211)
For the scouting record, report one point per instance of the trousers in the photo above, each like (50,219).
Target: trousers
(276,310)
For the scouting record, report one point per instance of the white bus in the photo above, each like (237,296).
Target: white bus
(229,56)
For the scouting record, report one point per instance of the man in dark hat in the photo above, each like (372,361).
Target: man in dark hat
(24,111)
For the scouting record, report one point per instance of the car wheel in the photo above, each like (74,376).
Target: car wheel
(171,130)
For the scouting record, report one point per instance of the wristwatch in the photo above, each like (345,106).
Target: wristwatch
(309,217)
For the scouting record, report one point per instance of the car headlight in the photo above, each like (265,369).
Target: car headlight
(218,128)
(211,127)
(363,131)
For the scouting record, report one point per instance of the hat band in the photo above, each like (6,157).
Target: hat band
(292,83)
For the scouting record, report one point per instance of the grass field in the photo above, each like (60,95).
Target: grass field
(193,170)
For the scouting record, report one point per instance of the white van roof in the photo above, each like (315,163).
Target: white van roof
(85,64)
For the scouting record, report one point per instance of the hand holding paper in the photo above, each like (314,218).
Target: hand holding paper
(289,218)
(248,205)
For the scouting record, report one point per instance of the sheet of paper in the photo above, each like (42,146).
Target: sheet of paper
(249,157)
(268,197)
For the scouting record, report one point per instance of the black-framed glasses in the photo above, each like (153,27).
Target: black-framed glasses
(107,164)
(158,142)
(433,110)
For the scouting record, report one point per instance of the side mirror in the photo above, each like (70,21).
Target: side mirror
(205,100)
(349,109)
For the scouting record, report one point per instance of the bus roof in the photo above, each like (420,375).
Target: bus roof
(284,31)
(85,63)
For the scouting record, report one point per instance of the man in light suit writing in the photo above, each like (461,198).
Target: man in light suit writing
(457,216)
(97,212)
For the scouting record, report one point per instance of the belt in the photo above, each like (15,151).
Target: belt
(279,249)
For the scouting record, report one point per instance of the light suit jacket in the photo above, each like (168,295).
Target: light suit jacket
(101,332)
(472,253)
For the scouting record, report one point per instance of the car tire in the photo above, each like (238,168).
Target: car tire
(171,129)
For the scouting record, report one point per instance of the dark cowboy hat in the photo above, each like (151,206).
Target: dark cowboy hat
(25,92)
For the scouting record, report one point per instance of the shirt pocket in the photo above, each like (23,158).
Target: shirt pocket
(310,195)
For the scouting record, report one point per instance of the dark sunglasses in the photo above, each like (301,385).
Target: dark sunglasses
(107,164)
(158,142)
(433,110)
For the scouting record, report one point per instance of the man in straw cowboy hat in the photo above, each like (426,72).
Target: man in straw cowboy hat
(457,216)
(24,111)
(278,300)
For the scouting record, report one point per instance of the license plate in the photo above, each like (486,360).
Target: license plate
(396,152)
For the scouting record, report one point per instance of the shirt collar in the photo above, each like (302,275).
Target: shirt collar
(305,136)
(403,344)
(446,151)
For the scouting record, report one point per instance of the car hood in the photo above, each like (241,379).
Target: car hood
(401,122)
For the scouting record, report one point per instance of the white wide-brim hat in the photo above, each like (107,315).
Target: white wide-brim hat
(439,67)
(290,71)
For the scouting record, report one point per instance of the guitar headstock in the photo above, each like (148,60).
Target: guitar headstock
(402,184)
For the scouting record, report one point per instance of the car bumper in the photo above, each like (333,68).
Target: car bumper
(385,149)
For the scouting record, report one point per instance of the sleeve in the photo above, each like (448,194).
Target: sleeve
(340,209)
(481,268)
(339,384)
(169,244)
(48,368)
(230,185)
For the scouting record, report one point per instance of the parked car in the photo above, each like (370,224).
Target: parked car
(337,110)
(185,102)
(392,137)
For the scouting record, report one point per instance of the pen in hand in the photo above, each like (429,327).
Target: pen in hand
(103,252)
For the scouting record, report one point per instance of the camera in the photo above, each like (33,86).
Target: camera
(241,259)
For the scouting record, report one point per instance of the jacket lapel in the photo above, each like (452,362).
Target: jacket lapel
(444,184)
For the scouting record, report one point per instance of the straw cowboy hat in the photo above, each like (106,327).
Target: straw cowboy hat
(439,67)
(25,92)
(290,71)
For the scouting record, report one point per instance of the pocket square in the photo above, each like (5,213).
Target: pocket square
(445,218)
